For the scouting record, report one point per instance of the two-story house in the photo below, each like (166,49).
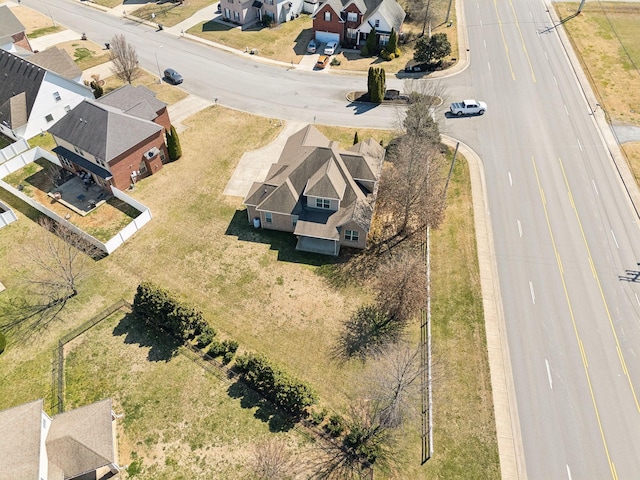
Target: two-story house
(32,98)
(247,12)
(116,140)
(322,194)
(80,442)
(349,22)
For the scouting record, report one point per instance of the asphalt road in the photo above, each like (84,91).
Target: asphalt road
(564,229)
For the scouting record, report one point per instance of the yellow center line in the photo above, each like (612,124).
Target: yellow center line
(575,328)
(524,46)
(604,301)
(504,41)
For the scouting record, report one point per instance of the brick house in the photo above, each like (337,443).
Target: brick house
(325,196)
(80,442)
(349,22)
(116,140)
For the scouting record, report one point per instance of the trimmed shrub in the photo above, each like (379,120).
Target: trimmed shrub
(206,337)
(158,308)
(284,390)
(173,144)
(335,426)
(317,417)
(216,349)
(97,89)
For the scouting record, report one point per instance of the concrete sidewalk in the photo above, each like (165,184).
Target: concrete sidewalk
(46,41)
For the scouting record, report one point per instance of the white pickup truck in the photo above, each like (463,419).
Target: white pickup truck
(468,107)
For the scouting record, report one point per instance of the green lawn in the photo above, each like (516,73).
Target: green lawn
(253,287)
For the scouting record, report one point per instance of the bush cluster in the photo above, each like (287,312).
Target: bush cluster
(157,307)
(284,390)
(225,349)
(335,426)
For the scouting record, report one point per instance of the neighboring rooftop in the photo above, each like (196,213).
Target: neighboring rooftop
(9,25)
(57,61)
(137,101)
(19,88)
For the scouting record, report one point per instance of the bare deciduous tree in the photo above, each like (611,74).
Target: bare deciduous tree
(273,461)
(59,261)
(393,383)
(124,58)
(399,284)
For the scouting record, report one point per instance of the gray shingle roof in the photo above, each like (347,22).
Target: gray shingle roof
(57,61)
(9,24)
(312,165)
(389,10)
(81,440)
(20,441)
(18,76)
(137,101)
(103,131)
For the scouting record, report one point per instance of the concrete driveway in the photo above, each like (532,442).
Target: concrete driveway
(254,165)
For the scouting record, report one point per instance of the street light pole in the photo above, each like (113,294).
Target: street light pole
(158,65)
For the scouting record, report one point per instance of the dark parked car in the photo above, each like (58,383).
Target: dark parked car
(171,76)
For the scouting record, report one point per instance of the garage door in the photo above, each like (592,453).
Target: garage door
(324,37)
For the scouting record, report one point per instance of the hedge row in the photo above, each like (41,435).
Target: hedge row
(156,306)
(284,390)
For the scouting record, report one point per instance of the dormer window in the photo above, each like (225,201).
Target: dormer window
(351,235)
(323,203)
(352,17)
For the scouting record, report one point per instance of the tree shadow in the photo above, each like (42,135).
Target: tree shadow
(283,242)
(302,40)
(162,347)
(265,410)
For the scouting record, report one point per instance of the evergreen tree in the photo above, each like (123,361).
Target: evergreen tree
(432,50)
(392,46)
(372,43)
(173,144)
(376,84)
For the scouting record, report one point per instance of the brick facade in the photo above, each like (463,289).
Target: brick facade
(123,166)
(334,25)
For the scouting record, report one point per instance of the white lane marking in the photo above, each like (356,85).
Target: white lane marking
(556,81)
(579,144)
(533,295)
(566,109)
(510,180)
(568,472)
(594,187)
(489,65)
(549,373)
(520,228)
(614,239)
(546,56)
(485,43)
(637,299)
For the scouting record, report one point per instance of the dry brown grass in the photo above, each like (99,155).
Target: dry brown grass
(632,152)
(599,35)
(169,13)
(31,19)
(85,53)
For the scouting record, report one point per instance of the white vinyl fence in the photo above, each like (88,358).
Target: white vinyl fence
(16,148)
(111,245)
(6,215)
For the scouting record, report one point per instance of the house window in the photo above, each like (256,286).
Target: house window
(377,23)
(56,96)
(227,13)
(351,235)
(49,118)
(268,217)
(352,17)
(78,150)
(269,2)
(384,40)
(236,16)
(67,108)
(352,33)
(327,16)
(142,168)
(323,203)
(65,161)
